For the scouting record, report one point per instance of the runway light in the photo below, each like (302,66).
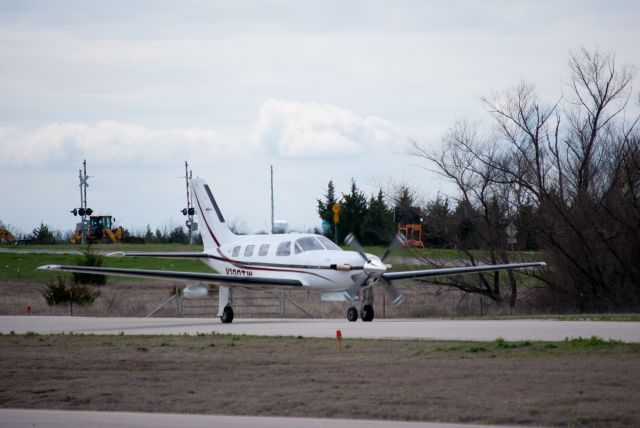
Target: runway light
(339,337)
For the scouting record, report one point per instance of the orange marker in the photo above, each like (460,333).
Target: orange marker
(339,337)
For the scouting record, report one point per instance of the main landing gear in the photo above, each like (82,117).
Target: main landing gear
(367,307)
(367,313)
(227,315)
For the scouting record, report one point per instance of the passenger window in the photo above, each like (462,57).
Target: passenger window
(236,251)
(264,249)
(284,249)
(248,251)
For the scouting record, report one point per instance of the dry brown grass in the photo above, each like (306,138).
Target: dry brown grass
(140,298)
(535,384)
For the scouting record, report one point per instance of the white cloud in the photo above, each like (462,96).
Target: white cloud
(288,129)
(111,142)
(294,129)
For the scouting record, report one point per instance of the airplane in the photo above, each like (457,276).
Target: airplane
(295,260)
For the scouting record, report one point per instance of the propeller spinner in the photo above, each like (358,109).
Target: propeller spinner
(376,268)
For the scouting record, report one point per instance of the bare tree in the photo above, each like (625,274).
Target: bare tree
(575,163)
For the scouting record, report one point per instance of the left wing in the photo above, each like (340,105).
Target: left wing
(456,270)
(169,255)
(245,281)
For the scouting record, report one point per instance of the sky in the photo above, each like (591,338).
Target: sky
(321,90)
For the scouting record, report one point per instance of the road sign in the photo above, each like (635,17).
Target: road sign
(336,213)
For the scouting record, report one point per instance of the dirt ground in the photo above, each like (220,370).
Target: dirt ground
(576,383)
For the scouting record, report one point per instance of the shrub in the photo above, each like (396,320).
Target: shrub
(57,293)
(89,258)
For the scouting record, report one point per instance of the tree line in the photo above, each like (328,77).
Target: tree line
(43,234)
(563,178)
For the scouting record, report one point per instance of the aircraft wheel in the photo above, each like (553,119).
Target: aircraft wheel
(352,314)
(227,315)
(367,313)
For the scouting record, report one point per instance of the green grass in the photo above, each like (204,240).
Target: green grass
(22,266)
(499,348)
(445,253)
(108,247)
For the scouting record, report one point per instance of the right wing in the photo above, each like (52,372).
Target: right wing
(245,281)
(412,274)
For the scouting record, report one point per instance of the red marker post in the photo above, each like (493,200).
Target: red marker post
(339,337)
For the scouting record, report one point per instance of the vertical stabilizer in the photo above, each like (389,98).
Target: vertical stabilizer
(213,228)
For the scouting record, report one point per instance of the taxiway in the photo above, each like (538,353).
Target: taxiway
(477,330)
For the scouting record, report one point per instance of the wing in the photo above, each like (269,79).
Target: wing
(457,270)
(245,281)
(170,255)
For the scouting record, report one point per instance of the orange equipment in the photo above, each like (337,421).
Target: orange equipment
(413,233)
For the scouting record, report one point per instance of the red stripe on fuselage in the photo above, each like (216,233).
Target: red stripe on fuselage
(243,266)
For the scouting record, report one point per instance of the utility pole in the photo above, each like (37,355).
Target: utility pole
(189,211)
(83,200)
(272,204)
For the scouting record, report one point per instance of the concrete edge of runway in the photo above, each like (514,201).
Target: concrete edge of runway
(410,329)
(20,418)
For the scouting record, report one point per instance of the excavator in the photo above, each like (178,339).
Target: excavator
(101,230)
(6,236)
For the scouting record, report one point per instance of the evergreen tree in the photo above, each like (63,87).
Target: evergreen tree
(178,236)
(377,226)
(42,235)
(325,208)
(437,217)
(354,208)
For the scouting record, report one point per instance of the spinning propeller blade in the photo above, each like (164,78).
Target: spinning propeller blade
(396,297)
(397,242)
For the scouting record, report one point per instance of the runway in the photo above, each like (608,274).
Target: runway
(19,418)
(475,330)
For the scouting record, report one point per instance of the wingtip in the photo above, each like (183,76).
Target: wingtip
(49,267)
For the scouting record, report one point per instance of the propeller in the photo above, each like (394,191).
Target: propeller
(353,242)
(397,242)
(371,267)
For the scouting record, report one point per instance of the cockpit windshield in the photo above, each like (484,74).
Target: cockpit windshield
(307,244)
(312,243)
(328,244)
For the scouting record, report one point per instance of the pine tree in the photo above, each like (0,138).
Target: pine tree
(325,208)
(354,208)
(377,226)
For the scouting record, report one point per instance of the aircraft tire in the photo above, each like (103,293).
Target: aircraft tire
(227,315)
(352,314)
(367,313)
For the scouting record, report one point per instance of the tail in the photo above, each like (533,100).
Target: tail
(213,229)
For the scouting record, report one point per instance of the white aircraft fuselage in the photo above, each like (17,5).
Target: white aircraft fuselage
(283,256)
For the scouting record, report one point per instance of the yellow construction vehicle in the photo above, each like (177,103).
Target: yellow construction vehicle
(6,236)
(101,230)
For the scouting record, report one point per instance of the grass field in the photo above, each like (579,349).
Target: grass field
(581,382)
(430,253)
(22,266)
